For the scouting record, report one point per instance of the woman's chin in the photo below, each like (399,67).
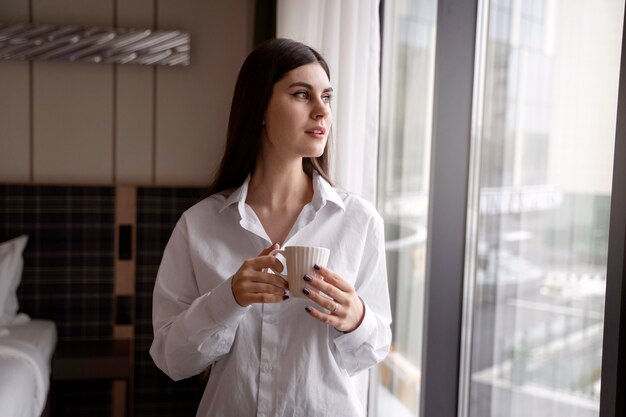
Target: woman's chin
(317,152)
(315,155)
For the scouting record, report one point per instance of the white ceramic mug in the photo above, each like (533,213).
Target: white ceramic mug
(300,261)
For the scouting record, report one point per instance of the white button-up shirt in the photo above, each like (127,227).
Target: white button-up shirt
(269,359)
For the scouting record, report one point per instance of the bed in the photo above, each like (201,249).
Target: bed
(26,346)
(26,349)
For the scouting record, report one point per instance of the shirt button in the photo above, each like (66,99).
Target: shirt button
(266,367)
(272,320)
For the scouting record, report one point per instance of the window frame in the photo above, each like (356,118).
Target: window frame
(447,211)
(613,379)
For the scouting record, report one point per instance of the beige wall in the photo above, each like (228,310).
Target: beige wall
(78,123)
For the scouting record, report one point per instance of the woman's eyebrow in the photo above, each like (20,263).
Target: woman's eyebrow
(308,86)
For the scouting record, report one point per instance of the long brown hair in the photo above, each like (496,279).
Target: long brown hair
(264,67)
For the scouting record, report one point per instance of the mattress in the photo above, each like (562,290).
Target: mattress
(25,353)
(40,333)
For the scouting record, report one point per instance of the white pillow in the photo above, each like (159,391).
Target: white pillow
(11,266)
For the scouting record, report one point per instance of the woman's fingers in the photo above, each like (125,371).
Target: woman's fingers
(267,250)
(251,284)
(266,278)
(262,288)
(251,298)
(266,261)
(272,279)
(245,278)
(328,287)
(345,309)
(343,317)
(326,318)
(334,279)
(322,300)
(248,291)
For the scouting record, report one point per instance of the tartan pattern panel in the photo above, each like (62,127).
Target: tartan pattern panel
(158,210)
(69,259)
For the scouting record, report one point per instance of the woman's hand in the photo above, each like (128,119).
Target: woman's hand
(251,284)
(346,309)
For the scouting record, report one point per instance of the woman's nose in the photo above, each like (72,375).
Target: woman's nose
(321,111)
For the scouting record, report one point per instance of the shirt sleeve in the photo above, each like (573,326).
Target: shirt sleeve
(369,343)
(191,330)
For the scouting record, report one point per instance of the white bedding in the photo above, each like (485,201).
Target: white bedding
(25,352)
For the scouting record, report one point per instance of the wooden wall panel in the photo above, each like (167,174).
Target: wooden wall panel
(134,110)
(14,11)
(15,121)
(73,12)
(134,124)
(72,123)
(15,105)
(73,104)
(193,102)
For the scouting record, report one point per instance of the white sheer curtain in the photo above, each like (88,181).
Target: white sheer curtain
(347,34)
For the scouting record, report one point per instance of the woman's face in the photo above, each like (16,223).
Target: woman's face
(298,117)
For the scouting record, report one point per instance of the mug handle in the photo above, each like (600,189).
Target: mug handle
(282,252)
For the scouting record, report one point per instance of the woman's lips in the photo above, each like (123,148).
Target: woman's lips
(318,132)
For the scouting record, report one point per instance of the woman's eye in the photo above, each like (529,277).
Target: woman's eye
(327,99)
(302,94)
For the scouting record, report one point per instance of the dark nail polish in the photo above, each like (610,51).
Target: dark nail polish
(307,278)
(317,267)
(308,309)
(306,291)
(285,297)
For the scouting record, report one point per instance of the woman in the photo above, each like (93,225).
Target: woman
(215,303)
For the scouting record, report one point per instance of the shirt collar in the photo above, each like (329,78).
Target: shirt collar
(239,195)
(322,192)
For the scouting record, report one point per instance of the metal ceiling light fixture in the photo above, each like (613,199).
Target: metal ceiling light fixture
(94,44)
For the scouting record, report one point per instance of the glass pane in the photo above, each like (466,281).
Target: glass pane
(546,136)
(406,123)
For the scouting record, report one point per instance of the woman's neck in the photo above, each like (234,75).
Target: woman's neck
(279,186)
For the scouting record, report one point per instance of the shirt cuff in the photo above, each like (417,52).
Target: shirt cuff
(221,306)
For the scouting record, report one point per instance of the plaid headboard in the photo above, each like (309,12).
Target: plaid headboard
(68,277)
(68,262)
(158,210)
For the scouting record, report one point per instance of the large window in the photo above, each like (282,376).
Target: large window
(542,142)
(546,139)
